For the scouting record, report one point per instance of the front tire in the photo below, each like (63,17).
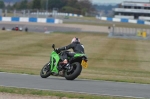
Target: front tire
(45,71)
(75,72)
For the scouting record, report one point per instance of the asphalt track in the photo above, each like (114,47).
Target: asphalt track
(43,27)
(77,86)
(40,29)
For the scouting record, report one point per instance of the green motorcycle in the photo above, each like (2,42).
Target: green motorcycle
(70,72)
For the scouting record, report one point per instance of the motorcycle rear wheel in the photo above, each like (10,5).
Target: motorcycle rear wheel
(75,72)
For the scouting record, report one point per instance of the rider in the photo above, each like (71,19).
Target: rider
(75,45)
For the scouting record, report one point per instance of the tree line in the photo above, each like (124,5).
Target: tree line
(83,7)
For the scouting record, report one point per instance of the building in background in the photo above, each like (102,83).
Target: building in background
(133,10)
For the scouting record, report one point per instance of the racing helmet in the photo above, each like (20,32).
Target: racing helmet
(75,39)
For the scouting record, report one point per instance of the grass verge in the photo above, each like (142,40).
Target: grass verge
(108,23)
(41,93)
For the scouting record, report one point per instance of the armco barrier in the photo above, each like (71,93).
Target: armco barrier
(30,19)
(124,20)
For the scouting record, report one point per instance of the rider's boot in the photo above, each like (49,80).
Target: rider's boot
(64,62)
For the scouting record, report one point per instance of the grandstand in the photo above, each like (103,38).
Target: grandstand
(133,10)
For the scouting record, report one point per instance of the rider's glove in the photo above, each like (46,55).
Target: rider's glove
(57,50)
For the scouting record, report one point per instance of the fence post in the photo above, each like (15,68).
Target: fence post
(28,13)
(14,13)
(37,13)
(113,29)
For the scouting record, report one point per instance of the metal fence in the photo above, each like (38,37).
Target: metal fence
(129,32)
(37,13)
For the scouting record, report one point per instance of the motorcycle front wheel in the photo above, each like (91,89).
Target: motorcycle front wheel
(45,71)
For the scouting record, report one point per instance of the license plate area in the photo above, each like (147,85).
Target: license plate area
(84,63)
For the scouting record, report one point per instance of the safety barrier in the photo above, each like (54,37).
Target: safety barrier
(58,14)
(124,20)
(31,19)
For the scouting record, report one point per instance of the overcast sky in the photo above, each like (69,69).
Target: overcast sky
(116,1)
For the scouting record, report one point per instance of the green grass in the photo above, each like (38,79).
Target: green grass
(41,93)
(107,23)
(110,59)
(10,14)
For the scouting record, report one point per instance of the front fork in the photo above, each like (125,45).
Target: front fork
(49,64)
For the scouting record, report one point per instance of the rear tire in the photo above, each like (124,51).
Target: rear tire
(77,68)
(47,71)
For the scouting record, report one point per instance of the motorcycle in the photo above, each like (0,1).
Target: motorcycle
(70,71)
